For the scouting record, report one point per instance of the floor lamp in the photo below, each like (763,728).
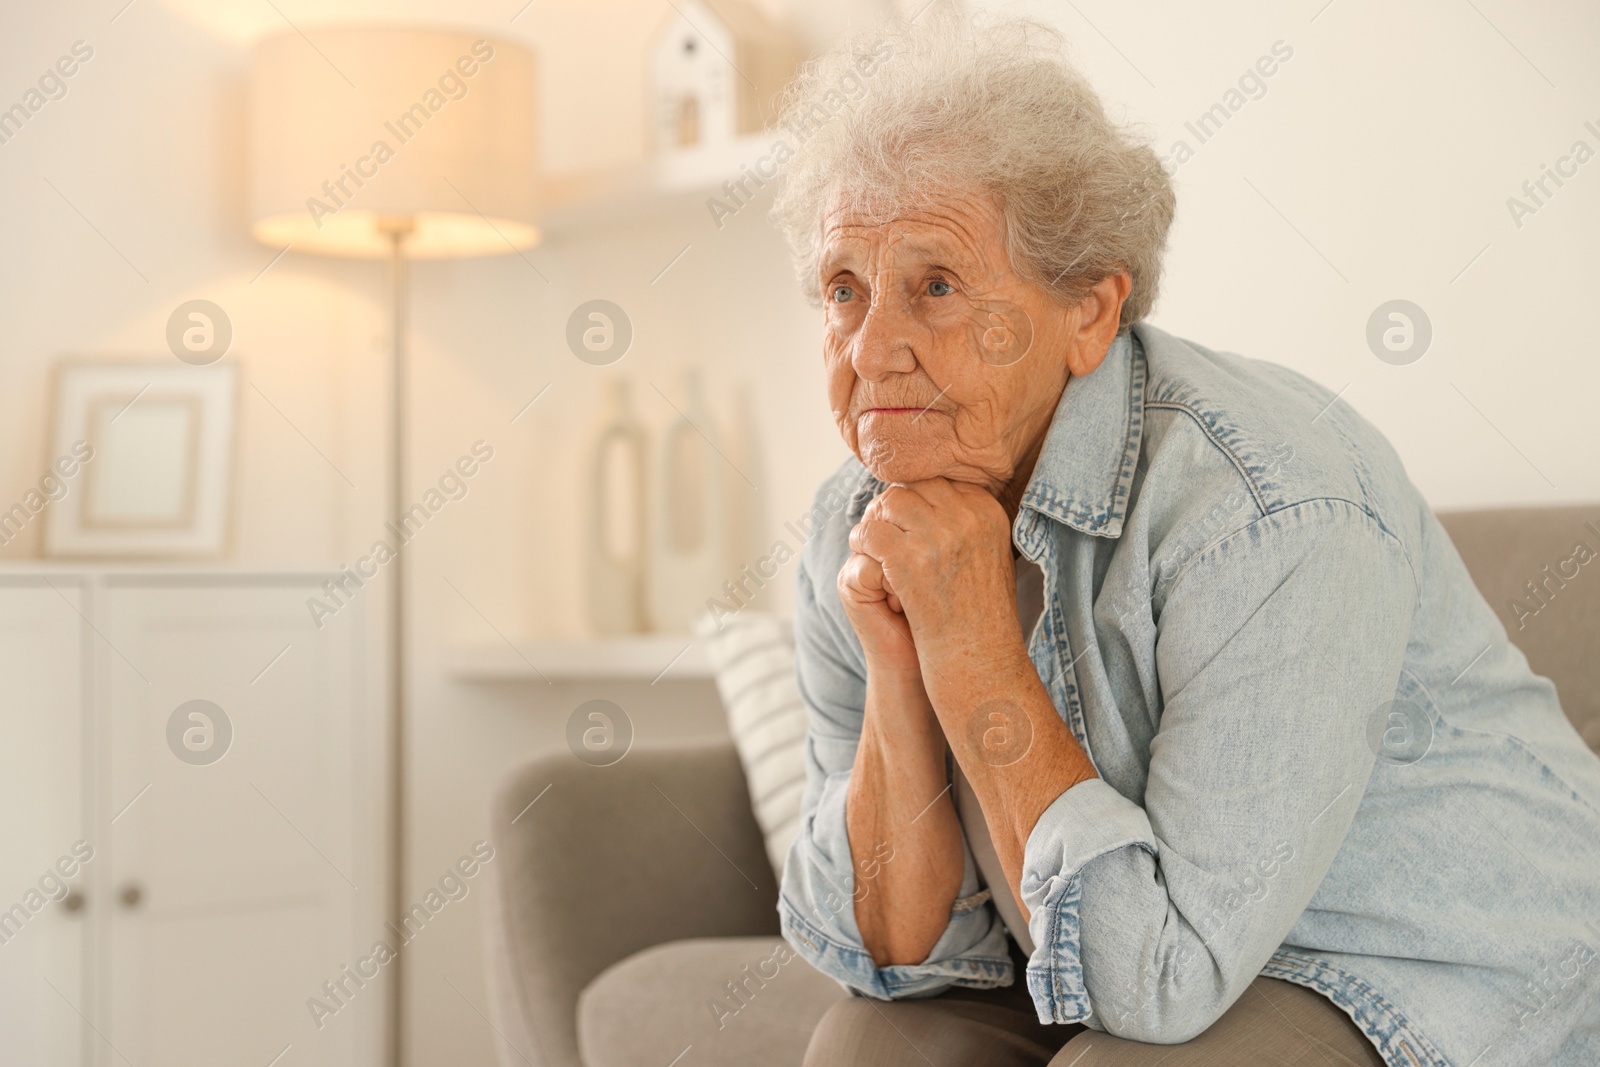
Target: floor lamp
(404,143)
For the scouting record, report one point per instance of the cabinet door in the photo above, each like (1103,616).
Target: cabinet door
(43,707)
(245,866)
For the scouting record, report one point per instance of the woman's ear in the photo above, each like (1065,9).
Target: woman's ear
(1099,315)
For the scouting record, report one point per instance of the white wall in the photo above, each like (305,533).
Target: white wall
(1390,142)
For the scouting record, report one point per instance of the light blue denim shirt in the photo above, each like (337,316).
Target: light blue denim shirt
(1320,758)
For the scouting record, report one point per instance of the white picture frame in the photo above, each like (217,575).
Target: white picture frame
(158,477)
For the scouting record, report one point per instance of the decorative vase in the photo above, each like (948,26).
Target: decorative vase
(616,535)
(747,511)
(689,524)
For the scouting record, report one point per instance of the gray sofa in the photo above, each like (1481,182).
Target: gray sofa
(624,858)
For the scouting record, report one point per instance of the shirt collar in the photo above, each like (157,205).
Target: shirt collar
(1085,468)
(867,487)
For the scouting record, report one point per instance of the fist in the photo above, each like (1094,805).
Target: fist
(877,615)
(943,549)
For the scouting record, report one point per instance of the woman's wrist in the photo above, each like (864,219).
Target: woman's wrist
(902,680)
(967,673)
(901,691)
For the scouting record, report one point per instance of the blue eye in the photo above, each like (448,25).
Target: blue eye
(843,293)
(940,287)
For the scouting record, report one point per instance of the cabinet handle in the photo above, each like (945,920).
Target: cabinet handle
(132,894)
(73,901)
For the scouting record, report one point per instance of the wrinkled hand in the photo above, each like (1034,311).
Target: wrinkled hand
(933,563)
(877,616)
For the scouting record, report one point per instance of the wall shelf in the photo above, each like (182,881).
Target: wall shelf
(648,658)
(685,178)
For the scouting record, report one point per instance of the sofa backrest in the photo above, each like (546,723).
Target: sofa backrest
(1559,630)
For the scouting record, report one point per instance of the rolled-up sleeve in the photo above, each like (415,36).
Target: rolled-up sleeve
(1275,650)
(1085,822)
(821,879)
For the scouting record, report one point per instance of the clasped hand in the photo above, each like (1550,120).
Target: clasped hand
(930,587)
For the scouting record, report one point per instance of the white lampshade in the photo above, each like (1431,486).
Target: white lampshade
(362,130)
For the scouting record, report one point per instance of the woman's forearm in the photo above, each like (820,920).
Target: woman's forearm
(905,839)
(1037,759)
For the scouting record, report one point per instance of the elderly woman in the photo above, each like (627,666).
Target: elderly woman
(1148,701)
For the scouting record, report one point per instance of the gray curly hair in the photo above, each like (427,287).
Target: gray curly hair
(893,120)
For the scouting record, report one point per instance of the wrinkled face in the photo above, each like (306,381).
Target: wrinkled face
(941,360)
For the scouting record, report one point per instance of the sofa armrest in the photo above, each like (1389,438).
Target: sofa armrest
(594,864)
(1508,549)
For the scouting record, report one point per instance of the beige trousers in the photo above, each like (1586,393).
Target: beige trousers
(1274,1024)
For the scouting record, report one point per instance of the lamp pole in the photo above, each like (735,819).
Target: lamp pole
(397,228)
(305,116)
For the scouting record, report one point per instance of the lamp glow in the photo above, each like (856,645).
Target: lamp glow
(378,130)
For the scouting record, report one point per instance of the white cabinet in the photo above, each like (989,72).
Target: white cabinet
(237,856)
(44,725)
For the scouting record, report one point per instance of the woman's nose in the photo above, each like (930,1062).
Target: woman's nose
(883,345)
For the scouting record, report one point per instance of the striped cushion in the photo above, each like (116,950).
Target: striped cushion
(752,655)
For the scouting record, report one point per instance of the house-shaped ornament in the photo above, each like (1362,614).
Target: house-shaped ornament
(716,69)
